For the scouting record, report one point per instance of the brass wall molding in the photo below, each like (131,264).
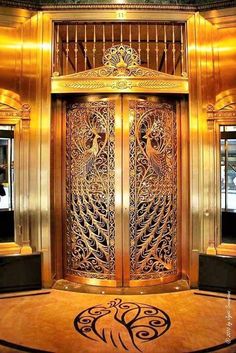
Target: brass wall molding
(225,99)
(67,85)
(9,111)
(223,115)
(185,5)
(22,113)
(119,86)
(9,98)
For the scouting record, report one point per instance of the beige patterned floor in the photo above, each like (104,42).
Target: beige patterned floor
(46,322)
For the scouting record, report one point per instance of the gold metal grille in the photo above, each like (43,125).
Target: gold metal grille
(153,190)
(81,46)
(121,189)
(90,173)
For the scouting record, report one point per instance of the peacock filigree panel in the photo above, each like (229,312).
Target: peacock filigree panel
(153,190)
(90,194)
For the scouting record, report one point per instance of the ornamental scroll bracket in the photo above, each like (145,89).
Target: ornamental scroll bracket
(121,72)
(226,114)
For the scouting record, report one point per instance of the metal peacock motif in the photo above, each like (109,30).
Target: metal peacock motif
(153,190)
(90,224)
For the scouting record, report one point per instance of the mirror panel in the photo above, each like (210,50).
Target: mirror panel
(228,183)
(7,183)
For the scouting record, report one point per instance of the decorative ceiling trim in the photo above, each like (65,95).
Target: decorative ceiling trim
(185,5)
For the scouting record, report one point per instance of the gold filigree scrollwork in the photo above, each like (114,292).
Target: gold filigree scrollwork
(121,58)
(153,190)
(90,195)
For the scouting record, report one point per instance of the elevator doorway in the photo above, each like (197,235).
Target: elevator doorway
(121,201)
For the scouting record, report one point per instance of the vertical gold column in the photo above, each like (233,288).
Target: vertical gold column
(76,48)
(126,191)
(148,47)
(195,177)
(130,35)
(85,47)
(139,41)
(118,191)
(200,68)
(173,48)
(182,50)
(57,49)
(112,34)
(121,33)
(67,48)
(44,112)
(25,130)
(94,46)
(103,40)
(165,49)
(157,48)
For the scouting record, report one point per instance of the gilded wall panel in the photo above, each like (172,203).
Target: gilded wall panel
(227,53)
(10,62)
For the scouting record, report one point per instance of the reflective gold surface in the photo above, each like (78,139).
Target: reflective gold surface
(153,188)
(201,180)
(159,84)
(90,189)
(26,66)
(100,135)
(176,286)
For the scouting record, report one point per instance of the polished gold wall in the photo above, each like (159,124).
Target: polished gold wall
(201,81)
(25,68)
(212,73)
(226,43)
(21,72)
(224,23)
(11,47)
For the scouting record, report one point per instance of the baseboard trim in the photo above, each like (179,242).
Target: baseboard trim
(21,347)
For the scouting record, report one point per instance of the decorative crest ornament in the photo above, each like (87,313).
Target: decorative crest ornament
(121,72)
(122,58)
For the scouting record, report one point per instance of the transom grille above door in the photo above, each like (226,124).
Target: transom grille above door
(80,46)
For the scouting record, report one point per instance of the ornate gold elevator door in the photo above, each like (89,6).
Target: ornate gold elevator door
(121,190)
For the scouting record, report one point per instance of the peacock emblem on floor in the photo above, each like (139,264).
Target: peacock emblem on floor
(124,325)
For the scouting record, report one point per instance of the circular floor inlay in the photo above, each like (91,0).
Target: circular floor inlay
(130,323)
